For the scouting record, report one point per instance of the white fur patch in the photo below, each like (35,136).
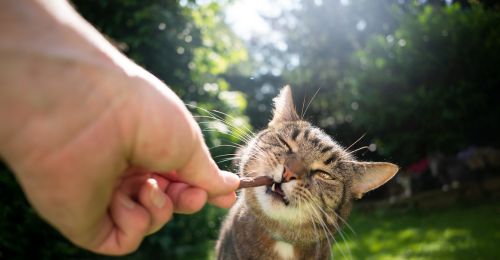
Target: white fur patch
(284,250)
(276,209)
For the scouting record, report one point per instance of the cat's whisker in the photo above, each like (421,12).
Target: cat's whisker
(263,151)
(337,227)
(359,149)
(248,135)
(332,235)
(237,146)
(225,155)
(310,101)
(316,232)
(252,172)
(214,129)
(226,160)
(246,128)
(233,157)
(359,139)
(309,197)
(221,119)
(334,223)
(337,217)
(262,155)
(335,213)
(303,103)
(236,134)
(345,223)
(343,235)
(322,214)
(233,131)
(328,234)
(259,154)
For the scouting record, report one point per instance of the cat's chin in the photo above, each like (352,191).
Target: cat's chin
(277,206)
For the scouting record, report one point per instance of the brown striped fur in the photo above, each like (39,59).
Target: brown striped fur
(319,196)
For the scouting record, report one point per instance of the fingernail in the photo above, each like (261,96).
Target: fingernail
(157,197)
(231,179)
(129,204)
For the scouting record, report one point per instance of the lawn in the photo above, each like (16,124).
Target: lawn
(461,232)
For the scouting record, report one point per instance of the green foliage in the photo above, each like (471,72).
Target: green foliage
(429,84)
(462,232)
(320,40)
(153,33)
(416,78)
(220,48)
(23,235)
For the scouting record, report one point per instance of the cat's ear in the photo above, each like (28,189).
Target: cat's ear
(368,176)
(284,109)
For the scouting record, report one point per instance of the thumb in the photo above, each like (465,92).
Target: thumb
(201,171)
(167,138)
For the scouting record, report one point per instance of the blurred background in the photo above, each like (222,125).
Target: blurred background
(410,82)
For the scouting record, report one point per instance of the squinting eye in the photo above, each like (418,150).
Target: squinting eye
(290,151)
(323,175)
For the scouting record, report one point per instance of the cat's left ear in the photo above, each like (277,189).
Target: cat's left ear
(284,109)
(368,176)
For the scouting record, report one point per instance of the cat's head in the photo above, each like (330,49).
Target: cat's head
(321,176)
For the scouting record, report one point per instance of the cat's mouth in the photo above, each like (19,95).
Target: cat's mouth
(276,192)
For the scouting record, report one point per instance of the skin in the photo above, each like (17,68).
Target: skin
(103,150)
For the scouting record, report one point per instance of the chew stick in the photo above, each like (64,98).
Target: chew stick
(249,182)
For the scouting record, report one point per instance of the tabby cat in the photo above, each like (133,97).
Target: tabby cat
(315,180)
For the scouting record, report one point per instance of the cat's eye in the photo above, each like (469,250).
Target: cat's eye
(323,175)
(285,144)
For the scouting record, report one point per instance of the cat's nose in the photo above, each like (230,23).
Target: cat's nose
(294,169)
(288,175)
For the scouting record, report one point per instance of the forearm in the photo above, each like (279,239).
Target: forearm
(57,77)
(46,47)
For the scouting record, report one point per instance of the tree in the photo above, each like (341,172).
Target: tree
(430,85)
(415,77)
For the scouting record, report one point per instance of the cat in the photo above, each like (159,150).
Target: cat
(315,180)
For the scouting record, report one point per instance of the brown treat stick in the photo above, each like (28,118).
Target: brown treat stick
(249,182)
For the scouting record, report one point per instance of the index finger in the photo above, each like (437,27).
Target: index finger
(223,201)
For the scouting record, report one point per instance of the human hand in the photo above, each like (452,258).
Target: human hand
(103,150)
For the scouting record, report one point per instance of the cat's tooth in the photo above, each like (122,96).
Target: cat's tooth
(274,186)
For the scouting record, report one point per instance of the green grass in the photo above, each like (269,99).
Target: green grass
(460,232)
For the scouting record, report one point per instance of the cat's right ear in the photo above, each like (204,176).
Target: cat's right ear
(284,108)
(368,176)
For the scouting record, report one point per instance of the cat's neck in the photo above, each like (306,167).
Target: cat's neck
(277,240)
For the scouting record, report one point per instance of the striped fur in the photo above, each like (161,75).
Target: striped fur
(261,226)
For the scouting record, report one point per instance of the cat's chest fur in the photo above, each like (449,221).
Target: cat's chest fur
(284,250)
(243,236)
